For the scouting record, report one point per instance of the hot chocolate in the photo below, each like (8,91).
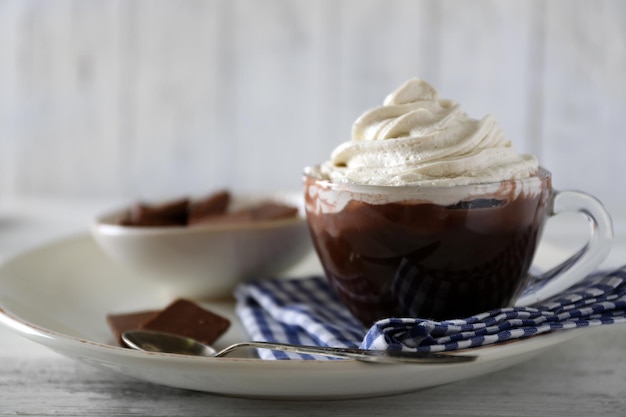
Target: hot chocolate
(427,212)
(417,258)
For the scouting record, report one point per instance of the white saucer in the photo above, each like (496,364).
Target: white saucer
(58,296)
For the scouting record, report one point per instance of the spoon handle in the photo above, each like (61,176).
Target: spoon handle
(379,356)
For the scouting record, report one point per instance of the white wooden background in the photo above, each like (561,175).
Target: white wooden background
(126,99)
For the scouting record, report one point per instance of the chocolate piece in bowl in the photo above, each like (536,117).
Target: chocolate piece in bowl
(213,205)
(170,213)
(273,211)
(186,318)
(265,211)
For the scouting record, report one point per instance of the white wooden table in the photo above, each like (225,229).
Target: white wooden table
(586,377)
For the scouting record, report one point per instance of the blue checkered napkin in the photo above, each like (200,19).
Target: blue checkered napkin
(300,311)
(306,311)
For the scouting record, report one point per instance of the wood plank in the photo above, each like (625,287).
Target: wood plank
(10,118)
(154,98)
(379,45)
(488,62)
(171,98)
(64,118)
(279,97)
(585,97)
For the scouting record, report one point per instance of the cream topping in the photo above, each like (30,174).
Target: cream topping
(417,138)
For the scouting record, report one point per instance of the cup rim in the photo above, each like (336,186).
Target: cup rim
(312,172)
(336,193)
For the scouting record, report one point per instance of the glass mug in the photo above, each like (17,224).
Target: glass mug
(444,252)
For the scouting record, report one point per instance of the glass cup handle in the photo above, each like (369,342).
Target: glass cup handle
(582,263)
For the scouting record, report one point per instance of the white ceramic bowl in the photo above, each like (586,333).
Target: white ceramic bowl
(207,261)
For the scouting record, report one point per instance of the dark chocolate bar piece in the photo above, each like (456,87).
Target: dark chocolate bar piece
(171,213)
(213,205)
(186,318)
(273,211)
(262,212)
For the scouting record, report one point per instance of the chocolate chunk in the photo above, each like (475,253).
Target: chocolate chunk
(235,217)
(185,318)
(119,323)
(212,209)
(171,213)
(273,211)
(262,212)
(213,205)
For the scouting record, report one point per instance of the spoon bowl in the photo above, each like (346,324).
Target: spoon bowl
(153,341)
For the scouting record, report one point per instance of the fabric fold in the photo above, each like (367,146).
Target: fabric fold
(307,311)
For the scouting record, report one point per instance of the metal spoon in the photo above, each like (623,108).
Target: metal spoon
(152,341)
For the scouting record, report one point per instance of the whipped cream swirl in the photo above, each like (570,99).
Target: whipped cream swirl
(417,138)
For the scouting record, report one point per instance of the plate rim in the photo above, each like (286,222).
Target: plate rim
(62,343)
